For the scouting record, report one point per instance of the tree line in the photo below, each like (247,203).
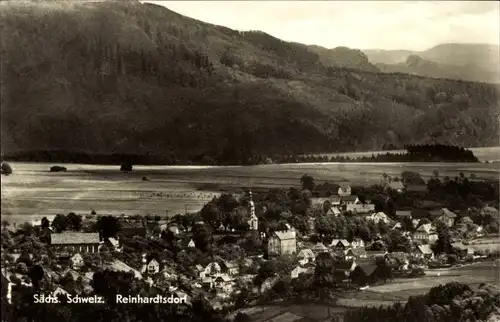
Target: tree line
(243,155)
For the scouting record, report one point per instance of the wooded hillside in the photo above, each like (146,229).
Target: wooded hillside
(125,77)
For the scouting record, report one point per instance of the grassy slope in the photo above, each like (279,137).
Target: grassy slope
(158,82)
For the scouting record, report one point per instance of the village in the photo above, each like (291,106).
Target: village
(230,255)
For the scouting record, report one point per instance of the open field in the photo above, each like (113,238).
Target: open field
(33,192)
(474,274)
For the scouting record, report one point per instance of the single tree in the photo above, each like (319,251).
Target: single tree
(307,182)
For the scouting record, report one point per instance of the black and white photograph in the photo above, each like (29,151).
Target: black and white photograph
(250,161)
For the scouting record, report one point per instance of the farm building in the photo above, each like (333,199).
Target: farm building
(282,242)
(65,243)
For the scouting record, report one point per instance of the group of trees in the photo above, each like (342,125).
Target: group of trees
(449,302)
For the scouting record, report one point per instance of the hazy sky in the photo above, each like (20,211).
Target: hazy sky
(415,25)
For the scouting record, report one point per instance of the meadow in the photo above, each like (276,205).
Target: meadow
(32,192)
(382,295)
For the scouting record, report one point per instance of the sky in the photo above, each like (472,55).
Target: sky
(411,25)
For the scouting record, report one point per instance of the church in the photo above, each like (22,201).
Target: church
(253,221)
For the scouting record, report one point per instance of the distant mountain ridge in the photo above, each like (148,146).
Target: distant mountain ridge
(124,78)
(474,62)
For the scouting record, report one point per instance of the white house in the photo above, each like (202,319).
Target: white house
(191,244)
(358,243)
(174,229)
(344,190)
(305,256)
(395,186)
(340,243)
(223,283)
(152,267)
(378,217)
(212,269)
(77,261)
(334,211)
(360,208)
(299,270)
(350,200)
(230,268)
(59,291)
(425,251)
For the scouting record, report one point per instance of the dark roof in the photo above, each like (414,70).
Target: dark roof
(359,251)
(343,265)
(429,204)
(396,185)
(416,188)
(403,213)
(418,213)
(367,266)
(375,253)
(72,238)
(350,198)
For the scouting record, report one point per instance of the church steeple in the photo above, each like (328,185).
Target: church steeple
(253,222)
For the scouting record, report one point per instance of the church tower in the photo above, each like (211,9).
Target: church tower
(253,222)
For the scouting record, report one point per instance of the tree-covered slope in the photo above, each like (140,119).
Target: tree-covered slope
(125,77)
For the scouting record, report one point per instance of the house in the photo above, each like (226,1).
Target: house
(152,267)
(119,266)
(360,208)
(230,268)
(297,271)
(212,269)
(402,214)
(191,244)
(334,211)
(64,243)
(350,200)
(174,229)
(269,284)
(334,200)
(398,225)
(345,267)
(374,254)
(378,217)
(113,244)
(340,244)
(357,243)
(223,283)
(462,249)
(311,222)
(344,190)
(132,229)
(401,259)
(416,188)
(59,292)
(359,253)
(349,254)
(319,248)
(305,256)
(367,268)
(282,242)
(394,186)
(76,261)
(322,202)
(424,233)
(445,215)
(200,271)
(425,251)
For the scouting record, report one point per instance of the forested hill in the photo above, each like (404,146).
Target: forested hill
(131,78)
